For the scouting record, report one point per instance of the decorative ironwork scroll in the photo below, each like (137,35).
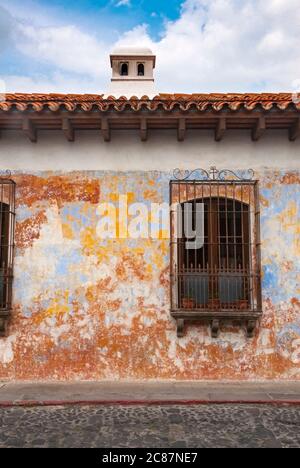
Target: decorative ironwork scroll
(213,174)
(5,173)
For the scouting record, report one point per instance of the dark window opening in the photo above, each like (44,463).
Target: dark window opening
(124,69)
(4,248)
(141,69)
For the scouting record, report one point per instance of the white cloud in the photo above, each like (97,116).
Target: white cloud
(6,26)
(274,42)
(215,46)
(65,47)
(54,83)
(227,46)
(123,3)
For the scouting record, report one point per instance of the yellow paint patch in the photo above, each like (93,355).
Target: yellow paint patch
(67,231)
(290,222)
(58,308)
(264,202)
(131,197)
(114,197)
(288,217)
(297,239)
(164,234)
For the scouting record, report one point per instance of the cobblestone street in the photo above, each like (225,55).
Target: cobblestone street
(151,426)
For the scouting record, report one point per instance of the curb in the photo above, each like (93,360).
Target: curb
(38,403)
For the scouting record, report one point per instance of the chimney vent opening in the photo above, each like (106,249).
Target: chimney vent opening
(141,69)
(124,69)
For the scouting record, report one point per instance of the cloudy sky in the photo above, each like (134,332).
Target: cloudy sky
(202,45)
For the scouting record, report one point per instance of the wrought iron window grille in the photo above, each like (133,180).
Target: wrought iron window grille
(221,279)
(7,232)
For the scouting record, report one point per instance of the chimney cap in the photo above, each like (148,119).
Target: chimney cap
(130,52)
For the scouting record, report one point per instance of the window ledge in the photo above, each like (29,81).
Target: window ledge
(215,317)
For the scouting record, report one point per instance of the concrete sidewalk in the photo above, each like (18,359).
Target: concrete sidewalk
(166,392)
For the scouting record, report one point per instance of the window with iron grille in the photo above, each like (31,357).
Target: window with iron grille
(215,248)
(7,228)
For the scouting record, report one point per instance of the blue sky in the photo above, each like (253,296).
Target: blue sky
(121,15)
(201,45)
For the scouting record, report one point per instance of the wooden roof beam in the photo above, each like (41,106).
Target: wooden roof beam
(105,129)
(220,129)
(29,129)
(259,128)
(294,131)
(68,129)
(181,130)
(143,129)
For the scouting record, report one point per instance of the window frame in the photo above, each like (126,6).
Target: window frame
(7,246)
(214,311)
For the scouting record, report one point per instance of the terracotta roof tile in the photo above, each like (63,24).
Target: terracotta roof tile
(167,102)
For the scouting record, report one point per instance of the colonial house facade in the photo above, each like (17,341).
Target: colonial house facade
(104,273)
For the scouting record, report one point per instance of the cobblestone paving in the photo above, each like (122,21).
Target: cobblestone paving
(151,426)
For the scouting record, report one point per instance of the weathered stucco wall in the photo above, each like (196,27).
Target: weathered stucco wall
(85,308)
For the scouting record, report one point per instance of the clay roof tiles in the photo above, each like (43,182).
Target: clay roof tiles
(167,102)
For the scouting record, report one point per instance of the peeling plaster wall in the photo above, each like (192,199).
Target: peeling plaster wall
(91,309)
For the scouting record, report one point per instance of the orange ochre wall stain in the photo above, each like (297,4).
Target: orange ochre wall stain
(90,308)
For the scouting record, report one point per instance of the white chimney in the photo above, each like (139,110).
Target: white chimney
(132,72)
